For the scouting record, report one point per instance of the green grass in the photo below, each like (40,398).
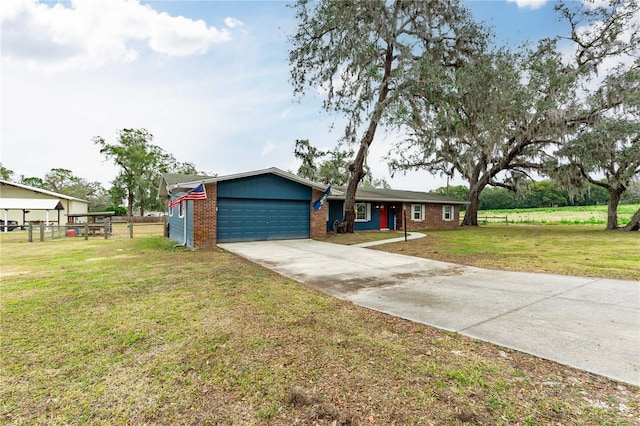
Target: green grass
(584,250)
(128,331)
(578,215)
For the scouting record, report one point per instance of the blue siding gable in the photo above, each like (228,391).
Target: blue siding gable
(266,187)
(177,224)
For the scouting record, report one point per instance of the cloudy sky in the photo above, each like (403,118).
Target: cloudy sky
(209,79)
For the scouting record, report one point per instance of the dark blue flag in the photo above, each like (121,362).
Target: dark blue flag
(320,201)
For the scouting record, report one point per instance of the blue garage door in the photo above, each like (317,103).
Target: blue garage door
(260,220)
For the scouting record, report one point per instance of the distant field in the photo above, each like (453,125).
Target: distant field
(579,215)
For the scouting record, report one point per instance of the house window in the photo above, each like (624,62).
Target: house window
(417,212)
(181,209)
(363,212)
(447,213)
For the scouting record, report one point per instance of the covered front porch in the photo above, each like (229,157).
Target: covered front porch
(370,215)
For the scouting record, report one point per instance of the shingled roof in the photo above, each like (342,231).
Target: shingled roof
(394,195)
(171,182)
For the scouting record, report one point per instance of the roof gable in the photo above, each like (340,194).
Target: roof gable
(170,181)
(188,182)
(42,191)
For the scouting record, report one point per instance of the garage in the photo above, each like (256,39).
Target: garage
(262,205)
(261,220)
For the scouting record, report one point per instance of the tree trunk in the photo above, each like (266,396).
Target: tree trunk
(471,214)
(612,210)
(476,185)
(634,225)
(355,174)
(356,169)
(130,204)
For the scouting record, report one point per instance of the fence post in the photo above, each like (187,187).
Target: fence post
(30,232)
(106,228)
(41,231)
(86,230)
(131,227)
(506,218)
(165,226)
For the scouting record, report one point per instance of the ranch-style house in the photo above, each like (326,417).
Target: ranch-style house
(272,204)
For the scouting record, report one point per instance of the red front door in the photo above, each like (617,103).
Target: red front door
(383,217)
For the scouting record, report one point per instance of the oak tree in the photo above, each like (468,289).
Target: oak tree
(331,167)
(606,153)
(365,56)
(503,111)
(141,163)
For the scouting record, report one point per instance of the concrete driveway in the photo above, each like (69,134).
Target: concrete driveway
(588,323)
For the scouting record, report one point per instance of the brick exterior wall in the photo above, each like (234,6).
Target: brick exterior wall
(432,218)
(205,218)
(318,218)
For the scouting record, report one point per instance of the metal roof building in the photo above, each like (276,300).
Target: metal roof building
(23,204)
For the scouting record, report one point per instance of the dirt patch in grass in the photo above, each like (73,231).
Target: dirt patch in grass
(361,237)
(205,337)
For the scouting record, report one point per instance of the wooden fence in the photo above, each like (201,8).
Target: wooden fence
(486,219)
(106,230)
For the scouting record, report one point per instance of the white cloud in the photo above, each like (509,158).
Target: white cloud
(530,4)
(268,148)
(232,22)
(92,33)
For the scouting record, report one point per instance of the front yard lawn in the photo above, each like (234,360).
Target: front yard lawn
(127,331)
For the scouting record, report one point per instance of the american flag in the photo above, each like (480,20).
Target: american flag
(197,193)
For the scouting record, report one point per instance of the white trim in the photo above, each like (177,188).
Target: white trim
(413,210)
(170,211)
(450,213)
(367,212)
(31,204)
(181,208)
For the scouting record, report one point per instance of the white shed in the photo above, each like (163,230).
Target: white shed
(24,204)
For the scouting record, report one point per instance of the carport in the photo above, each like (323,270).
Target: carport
(28,204)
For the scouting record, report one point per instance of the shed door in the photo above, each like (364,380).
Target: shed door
(260,220)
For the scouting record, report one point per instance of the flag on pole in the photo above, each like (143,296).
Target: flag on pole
(320,201)
(197,193)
